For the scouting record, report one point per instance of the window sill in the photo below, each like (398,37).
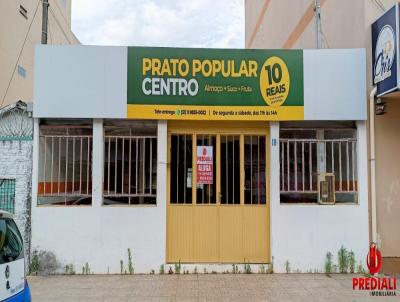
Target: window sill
(317,204)
(129,205)
(63,206)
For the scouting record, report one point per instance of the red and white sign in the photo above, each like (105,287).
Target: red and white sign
(378,286)
(205,165)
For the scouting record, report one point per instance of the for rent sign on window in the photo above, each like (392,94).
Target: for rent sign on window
(205,165)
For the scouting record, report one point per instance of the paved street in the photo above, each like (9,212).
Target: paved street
(210,287)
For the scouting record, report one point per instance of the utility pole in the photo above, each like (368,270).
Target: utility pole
(317,10)
(45,20)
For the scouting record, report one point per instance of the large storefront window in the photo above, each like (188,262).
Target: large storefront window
(217,208)
(318,165)
(238,165)
(130,163)
(65,162)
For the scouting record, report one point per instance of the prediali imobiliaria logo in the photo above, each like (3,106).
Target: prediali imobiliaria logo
(378,286)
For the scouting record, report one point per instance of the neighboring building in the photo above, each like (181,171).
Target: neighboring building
(199,157)
(20,31)
(16,164)
(344,24)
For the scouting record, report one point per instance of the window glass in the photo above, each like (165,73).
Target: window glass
(339,133)
(255,164)
(130,163)
(306,155)
(181,169)
(11,245)
(230,169)
(65,164)
(299,134)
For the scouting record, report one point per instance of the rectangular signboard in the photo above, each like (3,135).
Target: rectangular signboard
(215,84)
(385,48)
(205,165)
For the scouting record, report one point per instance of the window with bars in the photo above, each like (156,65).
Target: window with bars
(7,195)
(65,164)
(237,158)
(307,153)
(130,164)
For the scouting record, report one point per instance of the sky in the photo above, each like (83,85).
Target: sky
(171,23)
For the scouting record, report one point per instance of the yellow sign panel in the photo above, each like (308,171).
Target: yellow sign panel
(274,82)
(226,113)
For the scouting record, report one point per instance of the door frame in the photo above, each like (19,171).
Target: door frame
(219,128)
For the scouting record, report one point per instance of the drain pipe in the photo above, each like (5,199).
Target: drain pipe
(372,162)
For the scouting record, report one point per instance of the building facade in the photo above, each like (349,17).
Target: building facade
(21,30)
(18,46)
(344,24)
(204,157)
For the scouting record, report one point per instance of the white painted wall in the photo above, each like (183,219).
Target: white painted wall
(91,82)
(80,82)
(303,234)
(101,235)
(334,84)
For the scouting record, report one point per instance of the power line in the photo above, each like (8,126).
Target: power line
(62,15)
(20,53)
(379,4)
(50,35)
(325,38)
(59,25)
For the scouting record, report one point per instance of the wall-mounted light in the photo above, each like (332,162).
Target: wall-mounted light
(380,107)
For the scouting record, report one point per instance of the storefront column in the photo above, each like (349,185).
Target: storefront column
(162,148)
(35,162)
(362,167)
(97,163)
(274,180)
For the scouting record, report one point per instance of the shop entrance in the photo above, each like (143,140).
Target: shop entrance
(218,189)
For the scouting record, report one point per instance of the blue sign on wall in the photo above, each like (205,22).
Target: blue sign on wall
(385,51)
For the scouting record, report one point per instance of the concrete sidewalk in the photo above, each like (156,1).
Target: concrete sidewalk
(202,287)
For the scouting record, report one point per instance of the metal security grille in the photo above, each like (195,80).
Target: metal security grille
(255,165)
(7,195)
(230,169)
(130,169)
(65,169)
(181,169)
(299,160)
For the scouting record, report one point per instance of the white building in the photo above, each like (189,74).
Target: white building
(16,94)
(199,156)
